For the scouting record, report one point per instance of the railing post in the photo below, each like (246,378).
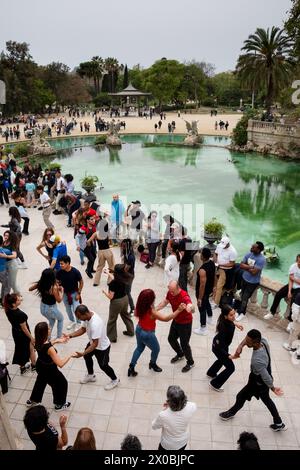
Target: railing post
(265,300)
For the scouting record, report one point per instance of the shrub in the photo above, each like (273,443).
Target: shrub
(21,150)
(240,135)
(88,182)
(101,139)
(102,99)
(54,166)
(213,227)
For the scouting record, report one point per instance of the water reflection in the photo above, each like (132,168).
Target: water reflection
(269,199)
(114,156)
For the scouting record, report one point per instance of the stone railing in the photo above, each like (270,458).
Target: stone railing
(273,128)
(268,288)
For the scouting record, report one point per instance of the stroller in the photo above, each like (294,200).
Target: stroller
(4,374)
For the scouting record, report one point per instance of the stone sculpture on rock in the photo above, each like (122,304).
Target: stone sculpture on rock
(113,138)
(193,137)
(39,145)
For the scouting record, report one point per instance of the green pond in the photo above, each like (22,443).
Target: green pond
(255,197)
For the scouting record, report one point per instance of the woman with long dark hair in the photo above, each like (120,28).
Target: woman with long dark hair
(15,226)
(45,243)
(21,334)
(47,368)
(117,281)
(172,263)
(128,258)
(145,330)
(225,330)
(11,242)
(50,292)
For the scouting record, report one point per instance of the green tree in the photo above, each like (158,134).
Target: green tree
(267,62)
(125,77)
(194,82)
(112,68)
(292,26)
(163,80)
(94,70)
(228,90)
(54,76)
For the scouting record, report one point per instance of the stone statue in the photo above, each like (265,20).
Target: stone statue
(193,137)
(39,144)
(113,138)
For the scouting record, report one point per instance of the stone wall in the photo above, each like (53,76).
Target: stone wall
(279,139)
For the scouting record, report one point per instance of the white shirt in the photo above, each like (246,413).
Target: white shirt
(171,269)
(226,255)
(60,183)
(174,424)
(95,329)
(296,273)
(44,199)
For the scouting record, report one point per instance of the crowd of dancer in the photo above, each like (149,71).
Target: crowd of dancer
(218,279)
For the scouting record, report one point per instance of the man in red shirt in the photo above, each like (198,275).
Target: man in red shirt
(181,326)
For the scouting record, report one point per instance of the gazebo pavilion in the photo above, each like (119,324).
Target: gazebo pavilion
(129,97)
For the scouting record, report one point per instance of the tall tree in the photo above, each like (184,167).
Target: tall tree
(194,81)
(125,77)
(112,67)
(267,62)
(163,79)
(292,26)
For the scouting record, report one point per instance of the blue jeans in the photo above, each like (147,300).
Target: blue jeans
(143,339)
(81,256)
(70,309)
(52,313)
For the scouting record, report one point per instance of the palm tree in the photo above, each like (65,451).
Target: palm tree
(267,62)
(93,69)
(112,66)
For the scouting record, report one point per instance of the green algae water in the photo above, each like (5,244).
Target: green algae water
(255,197)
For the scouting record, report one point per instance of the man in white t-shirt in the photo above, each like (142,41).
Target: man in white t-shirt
(45,202)
(225,258)
(289,291)
(98,346)
(60,186)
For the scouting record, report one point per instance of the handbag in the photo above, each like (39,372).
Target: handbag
(144,258)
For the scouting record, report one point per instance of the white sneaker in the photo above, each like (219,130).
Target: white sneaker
(290,327)
(23,265)
(71,325)
(201,331)
(88,378)
(112,384)
(210,320)
(288,347)
(269,316)
(213,305)
(240,317)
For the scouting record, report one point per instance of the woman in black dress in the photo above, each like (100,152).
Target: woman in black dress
(24,341)
(128,258)
(225,330)
(47,368)
(47,245)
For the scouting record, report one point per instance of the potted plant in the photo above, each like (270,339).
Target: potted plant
(213,230)
(88,183)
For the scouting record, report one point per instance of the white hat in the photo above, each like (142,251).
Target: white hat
(224,242)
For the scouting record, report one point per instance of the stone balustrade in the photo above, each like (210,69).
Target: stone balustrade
(273,127)
(269,288)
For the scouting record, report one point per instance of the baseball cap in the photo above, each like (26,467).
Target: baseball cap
(91,213)
(135,202)
(224,242)
(54,239)
(82,229)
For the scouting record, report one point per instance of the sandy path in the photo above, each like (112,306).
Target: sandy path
(138,125)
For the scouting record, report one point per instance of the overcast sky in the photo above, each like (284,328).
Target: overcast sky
(137,31)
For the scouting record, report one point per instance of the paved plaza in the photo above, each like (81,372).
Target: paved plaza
(136,401)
